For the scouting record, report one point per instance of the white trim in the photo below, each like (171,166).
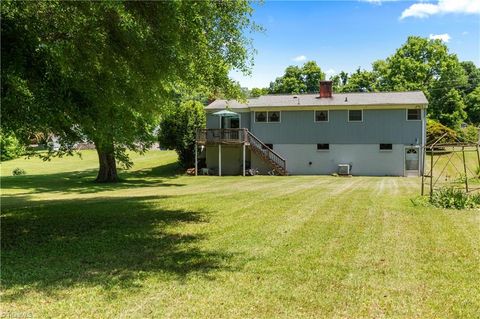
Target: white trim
(348,116)
(331,107)
(406,115)
(315,116)
(267,119)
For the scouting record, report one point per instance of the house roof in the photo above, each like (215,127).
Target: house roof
(339,99)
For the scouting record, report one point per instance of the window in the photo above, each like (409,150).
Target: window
(268,145)
(414,115)
(355,115)
(273,117)
(260,116)
(321,116)
(270,117)
(323,147)
(386,147)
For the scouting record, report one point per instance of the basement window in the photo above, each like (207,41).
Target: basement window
(323,147)
(386,147)
(321,116)
(355,115)
(414,115)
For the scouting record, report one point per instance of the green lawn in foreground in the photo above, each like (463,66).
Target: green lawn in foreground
(161,245)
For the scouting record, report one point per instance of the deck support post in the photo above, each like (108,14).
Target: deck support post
(243,168)
(219,159)
(196,159)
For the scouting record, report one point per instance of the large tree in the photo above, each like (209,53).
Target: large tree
(298,80)
(101,71)
(178,130)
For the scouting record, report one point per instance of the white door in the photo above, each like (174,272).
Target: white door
(412,161)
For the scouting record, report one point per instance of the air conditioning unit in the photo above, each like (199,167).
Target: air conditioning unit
(343,169)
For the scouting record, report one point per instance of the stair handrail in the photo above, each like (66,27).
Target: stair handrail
(272,155)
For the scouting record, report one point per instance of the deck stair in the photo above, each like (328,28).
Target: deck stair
(278,163)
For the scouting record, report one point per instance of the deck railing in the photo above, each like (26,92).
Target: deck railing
(267,153)
(225,135)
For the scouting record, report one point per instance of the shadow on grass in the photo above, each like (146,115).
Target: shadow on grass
(82,182)
(106,242)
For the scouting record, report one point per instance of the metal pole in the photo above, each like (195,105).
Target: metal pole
(219,159)
(465,169)
(243,158)
(196,159)
(431,171)
(423,169)
(478,157)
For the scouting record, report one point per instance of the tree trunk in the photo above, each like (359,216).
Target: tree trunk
(107,172)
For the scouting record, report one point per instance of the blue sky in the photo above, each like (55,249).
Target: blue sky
(343,35)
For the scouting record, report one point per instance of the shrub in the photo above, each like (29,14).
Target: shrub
(469,134)
(454,198)
(435,130)
(18,171)
(10,147)
(178,130)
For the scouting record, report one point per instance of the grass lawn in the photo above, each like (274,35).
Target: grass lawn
(161,245)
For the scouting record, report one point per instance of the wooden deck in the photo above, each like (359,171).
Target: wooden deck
(222,136)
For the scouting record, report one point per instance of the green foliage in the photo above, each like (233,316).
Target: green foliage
(454,199)
(473,106)
(178,130)
(298,80)
(256,92)
(469,134)
(360,81)
(450,109)
(10,147)
(473,76)
(18,171)
(103,71)
(417,65)
(435,131)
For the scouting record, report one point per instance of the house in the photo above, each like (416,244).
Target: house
(375,134)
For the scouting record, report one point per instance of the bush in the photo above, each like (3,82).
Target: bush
(178,130)
(470,134)
(10,147)
(454,198)
(18,171)
(435,131)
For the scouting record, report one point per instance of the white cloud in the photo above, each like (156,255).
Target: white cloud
(424,10)
(445,37)
(330,72)
(299,58)
(464,33)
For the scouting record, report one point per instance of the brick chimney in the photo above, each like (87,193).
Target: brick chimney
(325,89)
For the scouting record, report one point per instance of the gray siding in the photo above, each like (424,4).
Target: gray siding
(378,126)
(212,121)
